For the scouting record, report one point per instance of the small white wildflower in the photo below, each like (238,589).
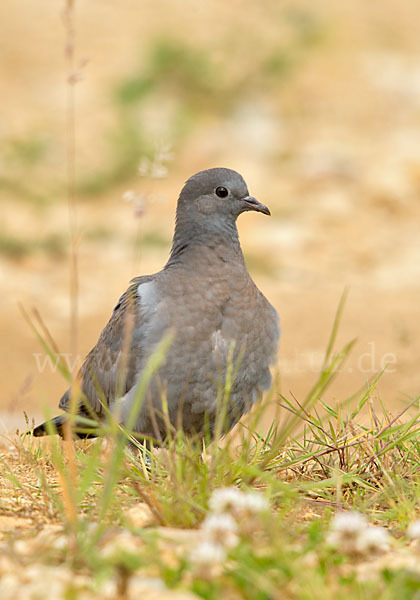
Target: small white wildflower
(350,522)
(145,166)
(164,153)
(156,167)
(254,502)
(225,500)
(373,540)
(236,502)
(159,171)
(413,530)
(345,529)
(221,529)
(137,200)
(130,196)
(207,554)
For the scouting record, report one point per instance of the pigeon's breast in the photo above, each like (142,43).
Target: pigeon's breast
(220,325)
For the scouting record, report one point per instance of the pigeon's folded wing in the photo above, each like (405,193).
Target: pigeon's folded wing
(111,367)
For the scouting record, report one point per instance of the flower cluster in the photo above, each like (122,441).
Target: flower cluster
(138,202)
(351,533)
(156,167)
(230,509)
(239,504)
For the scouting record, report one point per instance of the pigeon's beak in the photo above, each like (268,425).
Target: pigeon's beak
(252,203)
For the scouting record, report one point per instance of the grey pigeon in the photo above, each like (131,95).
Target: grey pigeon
(206,297)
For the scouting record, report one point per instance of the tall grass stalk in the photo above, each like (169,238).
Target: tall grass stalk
(71,81)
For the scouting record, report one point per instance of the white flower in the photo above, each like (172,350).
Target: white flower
(345,530)
(137,200)
(130,196)
(235,501)
(349,523)
(156,167)
(159,171)
(207,554)
(413,530)
(373,540)
(254,502)
(351,533)
(164,153)
(225,500)
(221,529)
(145,166)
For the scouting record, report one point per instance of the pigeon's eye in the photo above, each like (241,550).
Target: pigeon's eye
(221,191)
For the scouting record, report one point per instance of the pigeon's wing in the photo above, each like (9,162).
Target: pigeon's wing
(110,369)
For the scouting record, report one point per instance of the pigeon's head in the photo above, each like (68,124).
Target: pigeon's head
(217,196)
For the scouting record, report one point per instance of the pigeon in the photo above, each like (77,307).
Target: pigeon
(225,333)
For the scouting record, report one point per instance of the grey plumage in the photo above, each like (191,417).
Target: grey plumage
(205,295)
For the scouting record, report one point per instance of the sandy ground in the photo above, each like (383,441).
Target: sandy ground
(335,155)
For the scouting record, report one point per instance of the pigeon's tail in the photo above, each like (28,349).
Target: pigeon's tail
(58,425)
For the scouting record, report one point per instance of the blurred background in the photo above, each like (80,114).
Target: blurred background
(316,104)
